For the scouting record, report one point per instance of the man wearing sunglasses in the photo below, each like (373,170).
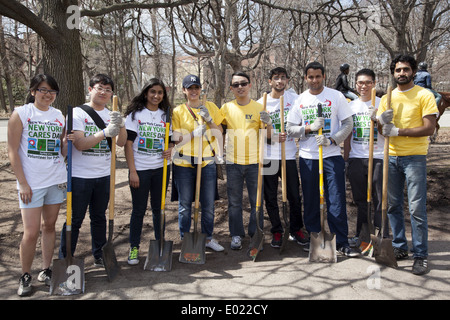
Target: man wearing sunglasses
(242,118)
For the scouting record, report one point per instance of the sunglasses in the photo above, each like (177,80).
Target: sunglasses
(237,85)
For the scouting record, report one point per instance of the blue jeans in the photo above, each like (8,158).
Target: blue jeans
(236,174)
(150,183)
(95,194)
(334,188)
(413,170)
(185,180)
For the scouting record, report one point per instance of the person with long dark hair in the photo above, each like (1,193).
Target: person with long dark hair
(147,115)
(36,149)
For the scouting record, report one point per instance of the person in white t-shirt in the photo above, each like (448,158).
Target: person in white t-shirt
(91,165)
(278,81)
(356,152)
(36,149)
(337,123)
(146,119)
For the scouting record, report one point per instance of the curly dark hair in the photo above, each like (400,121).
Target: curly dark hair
(404,58)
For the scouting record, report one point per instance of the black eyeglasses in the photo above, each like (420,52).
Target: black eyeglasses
(45,91)
(237,85)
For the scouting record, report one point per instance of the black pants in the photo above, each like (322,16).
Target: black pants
(272,171)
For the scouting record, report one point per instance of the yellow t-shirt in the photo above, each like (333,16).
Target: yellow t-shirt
(409,109)
(242,131)
(183,122)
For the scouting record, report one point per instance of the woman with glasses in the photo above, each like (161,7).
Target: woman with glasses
(186,132)
(36,148)
(146,120)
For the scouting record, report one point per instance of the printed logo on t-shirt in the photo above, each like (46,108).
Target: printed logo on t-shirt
(101,148)
(310,114)
(44,139)
(151,137)
(361,128)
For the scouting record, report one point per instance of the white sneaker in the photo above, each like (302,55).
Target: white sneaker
(236,243)
(213,244)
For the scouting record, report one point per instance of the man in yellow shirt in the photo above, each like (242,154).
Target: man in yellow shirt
(408,124)
(242,118)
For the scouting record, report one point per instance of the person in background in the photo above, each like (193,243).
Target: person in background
(423,79)
(342,83)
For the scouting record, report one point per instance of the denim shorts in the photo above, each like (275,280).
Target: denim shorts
(51,195)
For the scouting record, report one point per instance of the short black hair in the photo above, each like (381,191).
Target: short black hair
(366,72)
(316,66)
(102,79)
(404,58)
(278,71)
(239,74)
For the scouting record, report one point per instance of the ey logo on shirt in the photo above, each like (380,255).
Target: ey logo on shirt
(248,117)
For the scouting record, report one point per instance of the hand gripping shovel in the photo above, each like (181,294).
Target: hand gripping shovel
(68,273)
(364,242)
(159,256)
(322,244)
(283,180)
(382,248)
(256,243)
(193,248)
(109,256)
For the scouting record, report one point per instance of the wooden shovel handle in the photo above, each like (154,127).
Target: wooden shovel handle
(371,141)
(261,156)
(384,203)
(283,152)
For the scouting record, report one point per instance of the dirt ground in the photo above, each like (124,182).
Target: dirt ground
(231,275)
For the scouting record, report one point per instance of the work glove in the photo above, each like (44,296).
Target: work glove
(199,130)
(265,117)
(204,113)
(386,117)
(116,118)
(111,130)
(323,140)
(220,160)
(389,130)
(317,124)
(372,113)
(295,131)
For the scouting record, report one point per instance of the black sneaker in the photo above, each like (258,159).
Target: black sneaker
(400,254)
(45,276)
(24,285)
(99,263)
(349,252)
(420,266)
(276,240)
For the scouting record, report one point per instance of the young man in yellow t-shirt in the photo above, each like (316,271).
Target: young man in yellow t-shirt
(408,124)
(242,118)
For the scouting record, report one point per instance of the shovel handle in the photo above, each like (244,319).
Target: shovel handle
(321,189)
(69,168)
(199,170)
(283,152)
(371,141)
(112,183)
(261,157)
(384,203)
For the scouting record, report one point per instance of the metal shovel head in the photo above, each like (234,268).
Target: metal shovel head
(322,247)
(364,242)
(110,261)
(257,241)
(193,248)
(67,277)
(383,251)
(285,238)
(157,259)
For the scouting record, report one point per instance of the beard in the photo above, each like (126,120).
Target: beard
(404,79)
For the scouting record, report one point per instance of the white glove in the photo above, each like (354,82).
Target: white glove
(372,113)
(317,124)
(204,113)
(323,140)
(116,118)
(111,130)
(386,116)
(295,131)
(199,130)
(220,160)
(389,130)
(265,117)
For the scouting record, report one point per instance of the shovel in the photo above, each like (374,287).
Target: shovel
(193,248)
(382,247)
(256,243)
(322,244)
(283,180)
(364,242)
(109,256)
(159,256)
(68,273)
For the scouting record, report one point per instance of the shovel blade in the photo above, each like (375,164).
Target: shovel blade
(67,277)
(109,259)
(322,247)
(364,242)
(285,238)
(383,251)
(193,248)
(256,244)
(157,259)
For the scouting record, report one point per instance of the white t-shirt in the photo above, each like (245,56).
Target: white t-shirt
(335,109)
(150,127)
(359,141)
(96,161)
(40,146)
(273,151)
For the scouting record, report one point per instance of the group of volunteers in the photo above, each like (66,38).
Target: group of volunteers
(37,145)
